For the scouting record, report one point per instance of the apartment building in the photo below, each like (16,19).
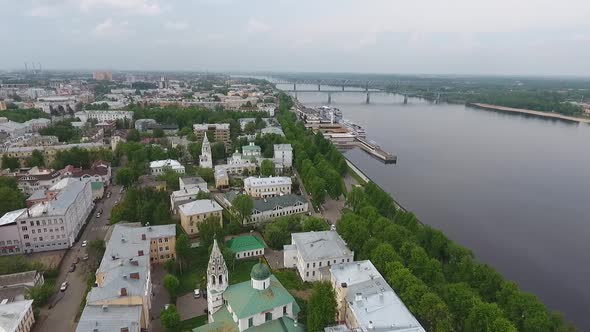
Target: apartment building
(267,187)
(158,167)
(219,131)
(191,214)
(17,316)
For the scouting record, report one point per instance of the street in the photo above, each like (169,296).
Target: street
(61,317)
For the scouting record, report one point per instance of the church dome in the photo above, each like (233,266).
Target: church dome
(260,271)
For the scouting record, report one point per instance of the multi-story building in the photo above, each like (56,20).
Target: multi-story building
(283,154)
(34,179)
(10,243)
(251,151)
(267,187)
(102,116)
(17,316)
(142,125)
(183,196)
(191,214)
(221,177)
(359,286)
(162,242)
(122,298)
(158,167)
(102,76)
(266,209)
(54,223)
(219,131)
(14,287)
(49,152)
(100,171)
(189,182)
(312,253)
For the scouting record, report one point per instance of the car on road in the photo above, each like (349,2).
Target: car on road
(109,194)
(98,215)
(84,243)
(72,267)
(197,293)
(85,258)
(64,286)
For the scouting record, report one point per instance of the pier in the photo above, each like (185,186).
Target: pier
(376,151)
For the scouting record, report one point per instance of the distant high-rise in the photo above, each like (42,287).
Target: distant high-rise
(163,83)
(102,76)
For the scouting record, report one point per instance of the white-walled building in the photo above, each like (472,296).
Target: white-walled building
(283,154)
(17,316)
(158,167)
(312,253)
(102,116)
(251,151)
(189,182)
(262,302)
(358,286)
(184,196)
(267,187)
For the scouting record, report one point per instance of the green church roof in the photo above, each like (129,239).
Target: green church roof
(247,301)
(244,243)
(260,271)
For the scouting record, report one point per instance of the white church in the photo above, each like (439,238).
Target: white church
(261,304)
(206,159)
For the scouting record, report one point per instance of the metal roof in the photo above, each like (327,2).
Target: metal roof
(12,313)
(313,246)
(270,203)
(10,217)
(110,319)
(200,206)
(270,181)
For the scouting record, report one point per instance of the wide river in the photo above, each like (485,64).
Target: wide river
(514,189)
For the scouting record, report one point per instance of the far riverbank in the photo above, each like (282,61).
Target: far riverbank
(531,112)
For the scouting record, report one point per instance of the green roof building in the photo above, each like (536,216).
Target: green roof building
(259,305)
(246,246)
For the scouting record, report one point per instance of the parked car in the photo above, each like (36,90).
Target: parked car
(64,286)
(72,267)
(85,258)
(98,215)
(84,243)
(109,194)
(197,293)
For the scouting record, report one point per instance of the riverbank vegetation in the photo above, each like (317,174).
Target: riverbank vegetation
(439,281)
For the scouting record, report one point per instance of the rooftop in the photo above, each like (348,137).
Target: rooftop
(12,313)
(206,126)
(372,300)
(200,206)
(10,217)
(188,180)
(244,243)
(283,147)
(110,319)
(165,163)
(16,279)
(68,189)
(315,246)
(190,191)
(263,182)
(270,203)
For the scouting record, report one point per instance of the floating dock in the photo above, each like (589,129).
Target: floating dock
(376,151)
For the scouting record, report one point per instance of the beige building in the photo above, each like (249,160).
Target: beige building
(217,132)
(191,214)
(49,152)
(162,243)
(17,316)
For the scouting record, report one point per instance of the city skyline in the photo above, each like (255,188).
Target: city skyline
(538,38)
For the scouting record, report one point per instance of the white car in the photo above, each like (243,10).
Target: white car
(84,243)
(64,286)
(197,293)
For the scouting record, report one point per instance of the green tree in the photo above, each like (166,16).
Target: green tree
(250,128)
(267,168)
(36,159)
(10,162)
(483,317)
(312,224)
(40,294)
(95,250)
(210,229)
(133,135)
(217,151)
(243,206)
(382,255)
(183,248)
(195,150)
(10,199)
(125,176)
(321,307)
(171,284)
(170,319)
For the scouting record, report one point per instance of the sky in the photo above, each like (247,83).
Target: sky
(500,37)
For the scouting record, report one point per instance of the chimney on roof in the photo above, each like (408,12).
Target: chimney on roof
(123,292)
(123,238)
(381,297)
(371,326)
(105,308)
(358,297)
(134,275)
(358,265)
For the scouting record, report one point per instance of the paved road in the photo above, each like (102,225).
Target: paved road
(61,316)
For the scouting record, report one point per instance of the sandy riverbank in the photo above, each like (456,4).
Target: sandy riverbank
(525,111)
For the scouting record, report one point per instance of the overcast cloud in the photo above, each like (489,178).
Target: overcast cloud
(532,37)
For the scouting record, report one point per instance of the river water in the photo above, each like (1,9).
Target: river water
(514,189)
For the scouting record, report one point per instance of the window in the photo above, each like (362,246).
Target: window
(284,310)
(268,316)
(250,322)
(313,264)
(24,228)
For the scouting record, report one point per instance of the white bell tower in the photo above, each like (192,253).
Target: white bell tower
(217,280)
(206,159)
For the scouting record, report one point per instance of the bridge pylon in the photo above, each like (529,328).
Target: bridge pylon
(329,98)
(405,99)
(368,98)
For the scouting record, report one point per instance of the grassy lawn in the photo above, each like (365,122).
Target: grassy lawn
(290,279)
(189,324)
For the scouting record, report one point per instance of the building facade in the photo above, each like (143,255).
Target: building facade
(17,316)
(220,132)
(267,187)
(193,213)
(283,154)
(159,166)
(313,253)
(206,159)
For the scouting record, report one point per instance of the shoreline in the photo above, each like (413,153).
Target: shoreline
(530,112)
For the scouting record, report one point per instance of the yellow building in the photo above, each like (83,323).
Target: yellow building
(49,151)
(191,214)
(162,243)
